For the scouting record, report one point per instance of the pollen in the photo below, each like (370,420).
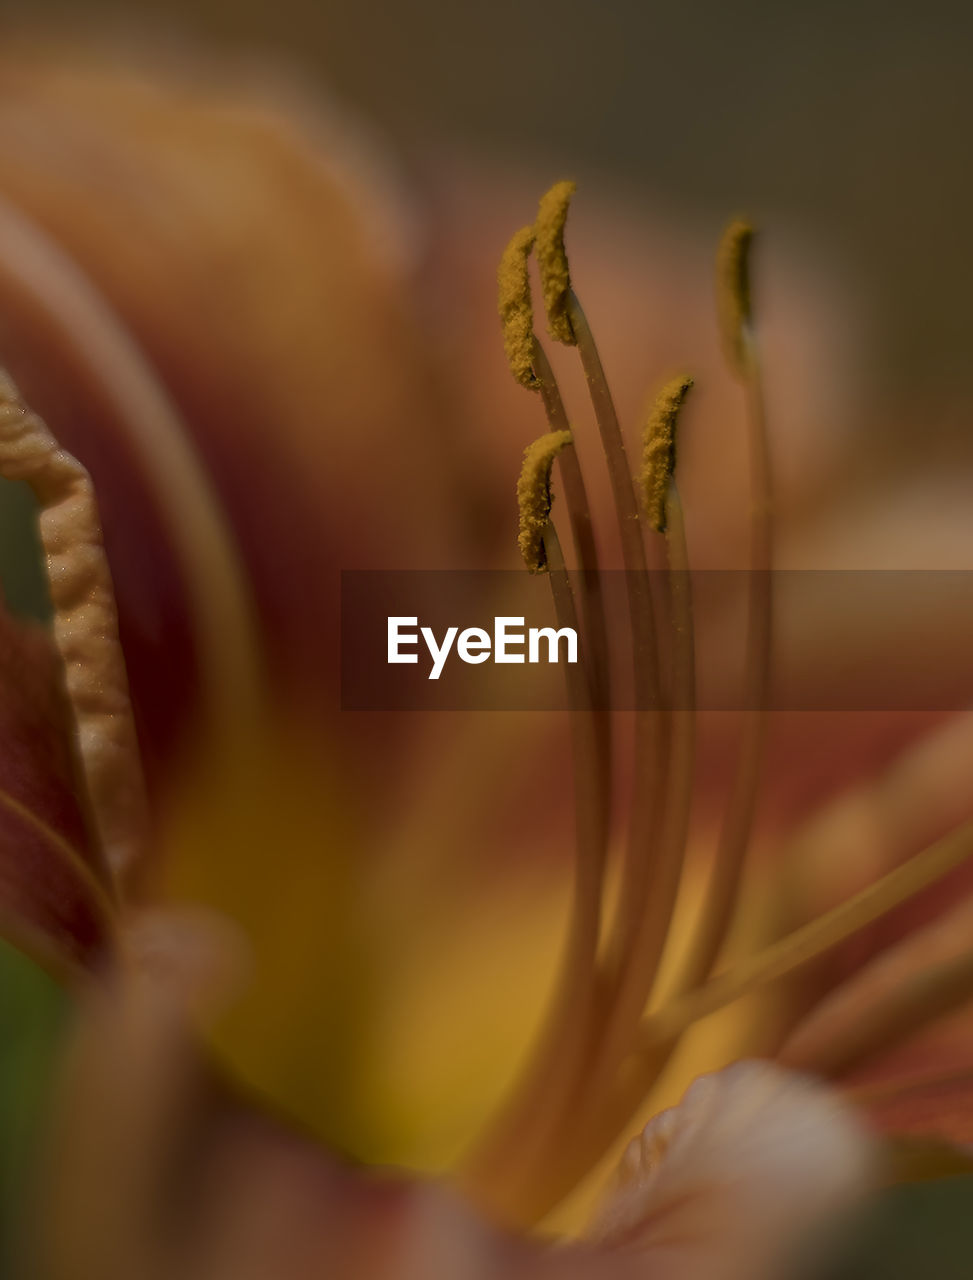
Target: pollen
(659,450)
(534,496)
(552,214)
(733,293)
(516,311)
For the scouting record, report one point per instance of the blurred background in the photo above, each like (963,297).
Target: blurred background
(849,121)
(844,127)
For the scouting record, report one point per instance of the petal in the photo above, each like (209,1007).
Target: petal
(352,1022)
(725,1184)
(939,1109)
(123,1113)
(294,368)
(909,985)
(53,900)
(152,1167)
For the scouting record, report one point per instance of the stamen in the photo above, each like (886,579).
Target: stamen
(649,935)
(573,1005)
(496,1171)
(813,940)
(530,1116)
(723,888)
(651,728)
(531,368)
(85,630)
(917,981)
(734,294)
(610,1060)
(516,310)
(622,1021)
(733,297)
(586,553)
(659,450)
(534,497)
(661,1031)
(678,805)
(552,215)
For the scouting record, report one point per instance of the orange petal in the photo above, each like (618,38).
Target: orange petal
(297,368)
(152,1167)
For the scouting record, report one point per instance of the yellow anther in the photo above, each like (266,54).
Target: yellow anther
(552,260)
(733,293)
(659,450)
(516,311)
(534,496)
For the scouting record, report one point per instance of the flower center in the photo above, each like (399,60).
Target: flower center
(600,1052)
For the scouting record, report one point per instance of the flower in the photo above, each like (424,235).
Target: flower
(155,1170)
(234,768)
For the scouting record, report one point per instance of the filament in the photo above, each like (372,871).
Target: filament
(812,940)
(586,554)
(533,1116)
(918,980)
(662,1030)
(648,942)
(734,289)
(651,728)
(599,1116)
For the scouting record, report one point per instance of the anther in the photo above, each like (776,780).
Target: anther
(534,496)
(659,450)
(552,214)
(516,311)
(733,293)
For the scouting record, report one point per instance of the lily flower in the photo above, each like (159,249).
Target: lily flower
(92,840)
(154,1169)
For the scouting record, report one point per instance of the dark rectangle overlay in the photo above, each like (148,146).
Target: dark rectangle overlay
(883,640)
